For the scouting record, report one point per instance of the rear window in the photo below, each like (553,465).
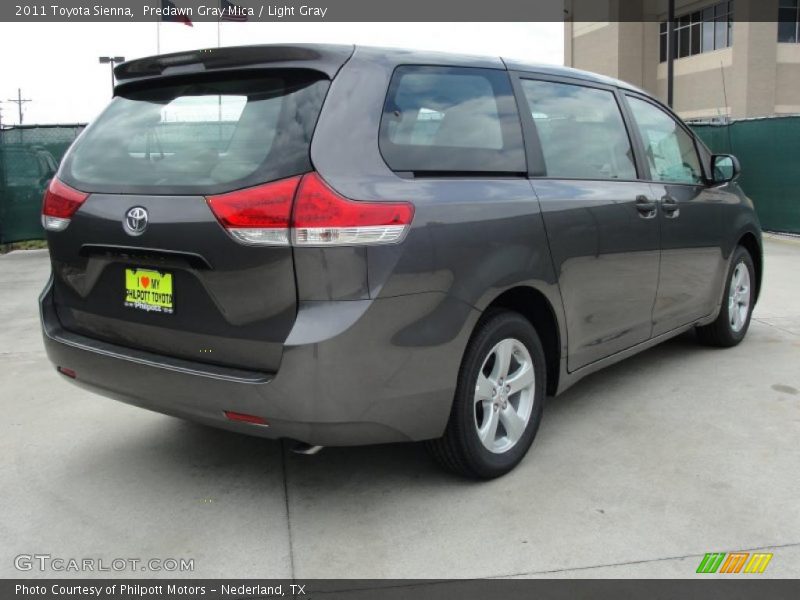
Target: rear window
(446,119)
(199,137)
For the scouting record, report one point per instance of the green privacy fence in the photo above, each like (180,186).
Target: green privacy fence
(769,151)
(29,157)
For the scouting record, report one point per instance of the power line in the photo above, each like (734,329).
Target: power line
(19,101)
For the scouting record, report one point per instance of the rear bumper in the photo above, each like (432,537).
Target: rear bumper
(352,372)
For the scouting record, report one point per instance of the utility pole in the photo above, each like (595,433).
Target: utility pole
(19,101)
(671,47)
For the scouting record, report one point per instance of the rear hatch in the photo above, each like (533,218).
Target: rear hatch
(145,262)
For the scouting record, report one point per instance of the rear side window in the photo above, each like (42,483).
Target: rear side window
(581,131)
(451,120)
(202,137)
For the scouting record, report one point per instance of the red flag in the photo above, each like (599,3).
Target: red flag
(173,14)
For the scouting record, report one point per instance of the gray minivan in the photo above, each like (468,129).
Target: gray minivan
(340,246)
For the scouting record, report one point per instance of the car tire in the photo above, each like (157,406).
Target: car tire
(733,320)
(499,399)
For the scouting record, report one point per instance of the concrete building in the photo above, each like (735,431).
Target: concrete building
(736,59)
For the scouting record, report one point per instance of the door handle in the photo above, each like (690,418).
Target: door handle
(646,207)
(670,207)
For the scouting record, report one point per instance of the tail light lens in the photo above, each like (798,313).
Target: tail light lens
(324,218)
(257,216)
(305,211)
(60,203)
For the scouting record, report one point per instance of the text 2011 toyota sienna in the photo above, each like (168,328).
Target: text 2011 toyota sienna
(340,245)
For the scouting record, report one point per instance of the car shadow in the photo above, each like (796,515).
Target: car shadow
(654,359)
(182,445)
(410,464)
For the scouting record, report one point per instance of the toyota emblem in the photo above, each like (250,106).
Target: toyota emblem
(135,221)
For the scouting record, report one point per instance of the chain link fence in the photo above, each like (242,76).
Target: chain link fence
(769,151)
(29,157)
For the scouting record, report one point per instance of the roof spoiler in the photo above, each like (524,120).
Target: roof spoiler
(319,57)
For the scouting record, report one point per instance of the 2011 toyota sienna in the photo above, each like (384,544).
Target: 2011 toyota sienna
(341,246)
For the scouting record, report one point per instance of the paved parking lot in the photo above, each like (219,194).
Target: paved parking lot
(637,471)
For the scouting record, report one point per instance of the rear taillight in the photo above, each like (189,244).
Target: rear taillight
(305,211)
(259,215)
(60,203)
(322,217)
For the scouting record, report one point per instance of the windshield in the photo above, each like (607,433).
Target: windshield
(201,137)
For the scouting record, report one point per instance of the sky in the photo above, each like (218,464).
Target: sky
(56,64)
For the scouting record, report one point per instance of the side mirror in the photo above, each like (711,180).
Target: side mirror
(724,168)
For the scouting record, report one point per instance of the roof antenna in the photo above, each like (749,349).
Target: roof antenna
(724,90)
(727,120)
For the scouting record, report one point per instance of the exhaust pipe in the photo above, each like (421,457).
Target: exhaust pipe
(306,449)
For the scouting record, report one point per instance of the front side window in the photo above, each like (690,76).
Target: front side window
(451,120)
(789,21)
(581,131)
(670,151)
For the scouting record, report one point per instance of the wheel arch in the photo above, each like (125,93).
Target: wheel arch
(750,242)
(537,308)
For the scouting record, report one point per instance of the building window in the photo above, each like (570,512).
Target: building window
(789,22)
(703,31)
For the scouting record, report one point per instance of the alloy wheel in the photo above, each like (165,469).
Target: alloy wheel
(504,395)
(739,297)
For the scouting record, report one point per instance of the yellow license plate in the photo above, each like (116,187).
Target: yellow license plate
(149,290)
